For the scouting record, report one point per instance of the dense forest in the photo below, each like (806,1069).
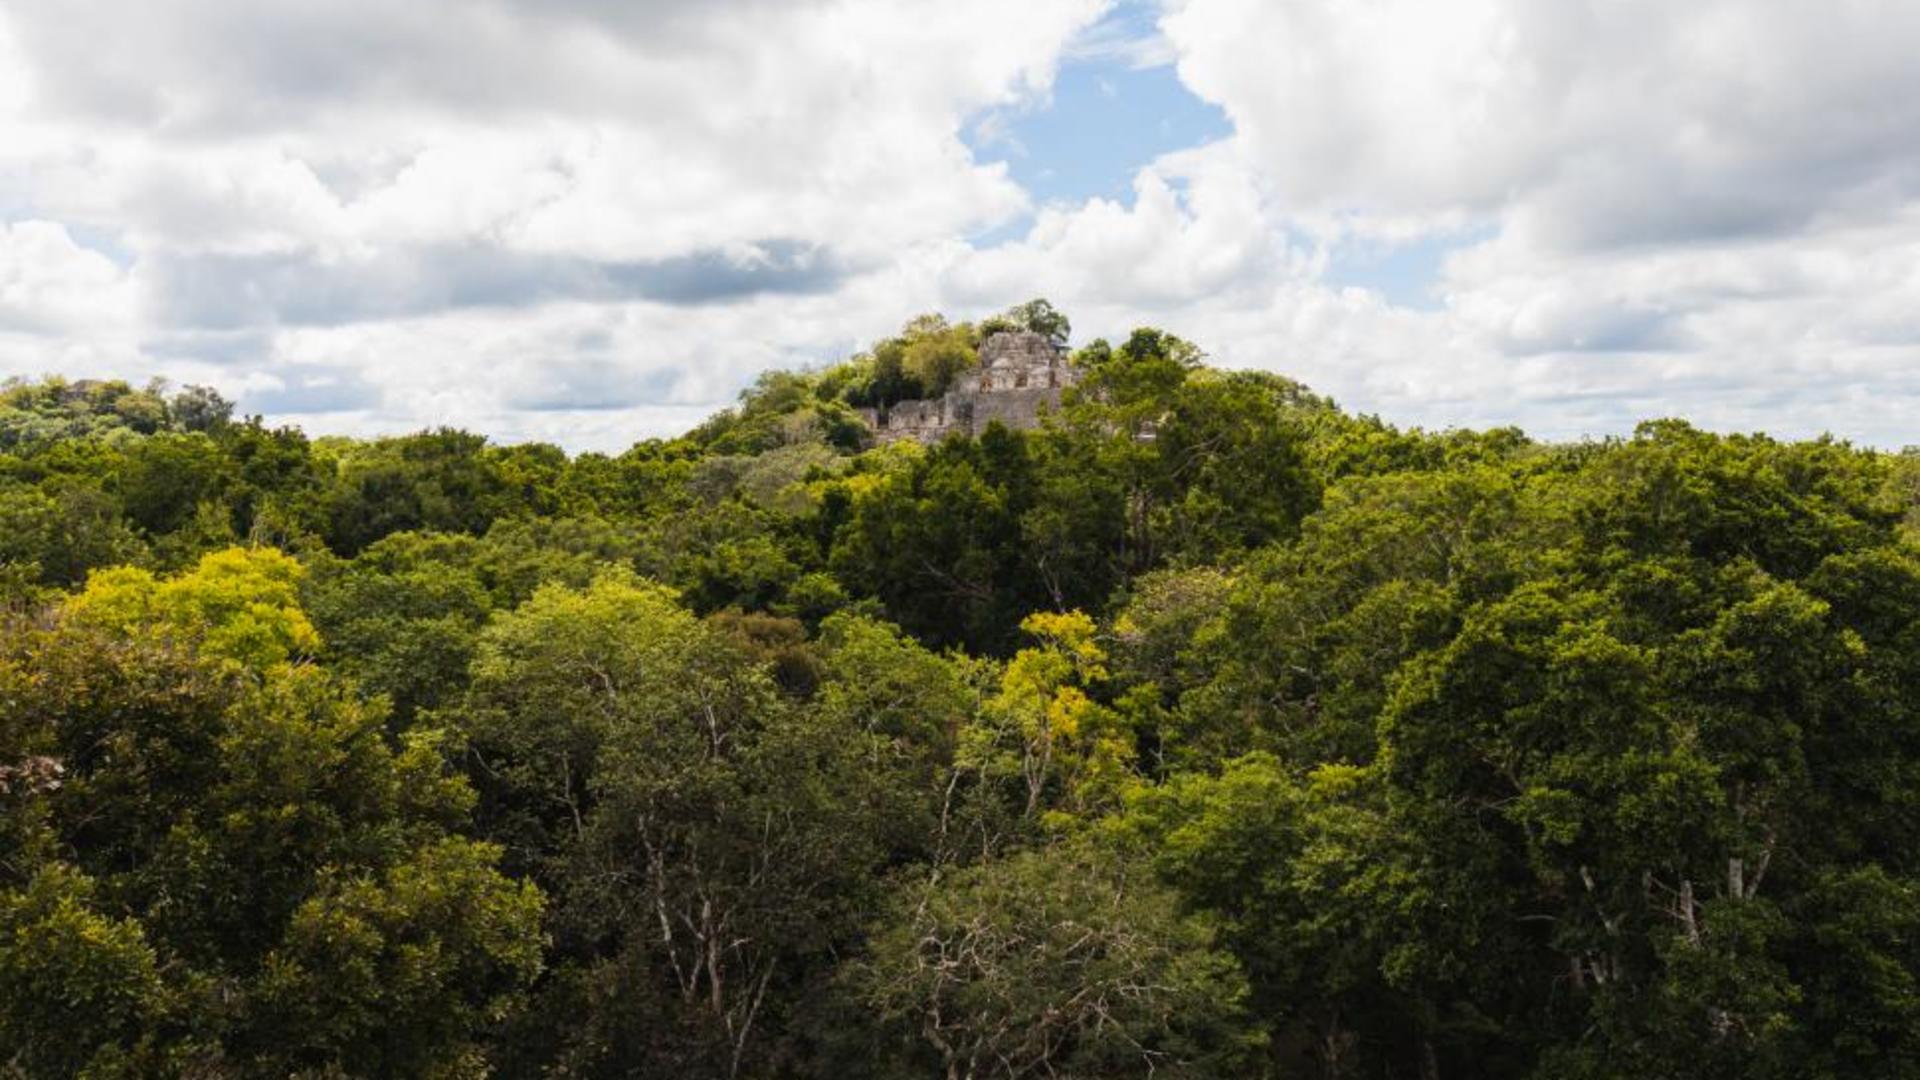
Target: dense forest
(1206,730)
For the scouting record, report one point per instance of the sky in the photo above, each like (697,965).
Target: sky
(594,221)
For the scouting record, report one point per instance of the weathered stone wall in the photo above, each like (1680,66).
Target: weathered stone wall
(928,421)
(1022,360)
(1019,409)
(1020,373)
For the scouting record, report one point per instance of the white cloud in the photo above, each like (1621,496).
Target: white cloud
(589,220)
(1708,209)
(50,285)
(534,127)
(1196,227)
(444,197)
(1651,119)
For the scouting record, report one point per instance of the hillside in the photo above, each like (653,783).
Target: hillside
(1203,729)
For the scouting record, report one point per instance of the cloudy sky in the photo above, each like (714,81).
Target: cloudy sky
(588,221)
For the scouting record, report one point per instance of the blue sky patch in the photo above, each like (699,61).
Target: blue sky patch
(1407,274)
(1116,105)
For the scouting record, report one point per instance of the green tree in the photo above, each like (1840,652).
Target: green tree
(239,605)
(211,799)
(1060,962)
(443,480)
(1310,885)
(199,408)
(164,478)
(1037,315)
(81,990)
(708,840)
(934,353)
(1068,753)
(937,541)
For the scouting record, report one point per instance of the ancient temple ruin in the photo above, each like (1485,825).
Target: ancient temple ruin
(1020,371)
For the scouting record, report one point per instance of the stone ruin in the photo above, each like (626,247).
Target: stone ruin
(1019,372)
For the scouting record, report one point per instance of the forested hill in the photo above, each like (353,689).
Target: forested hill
(1205,731)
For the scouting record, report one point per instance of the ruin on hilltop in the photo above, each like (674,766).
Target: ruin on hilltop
(1019,372)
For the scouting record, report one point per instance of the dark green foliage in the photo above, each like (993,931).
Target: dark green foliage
(938,542)
(441,480)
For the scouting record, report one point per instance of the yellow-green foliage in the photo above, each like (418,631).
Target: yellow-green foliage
(240,605)
(1073,752)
